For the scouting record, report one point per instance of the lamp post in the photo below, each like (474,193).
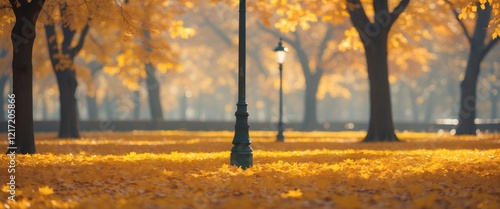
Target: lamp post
(241,153)
(280,55)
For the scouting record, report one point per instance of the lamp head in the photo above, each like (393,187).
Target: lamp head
(280,52)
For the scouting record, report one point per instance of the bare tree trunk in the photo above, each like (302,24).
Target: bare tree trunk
(381,127)
(153,87)
(478,50)
(137,104)
(413,103)
(109,107)
(429,108)
(95,67)
(310,121)
(68,125)
(183,107)
(374,37)
(64,69)
(23,36)
(92,107)
(494,105)
(468,86)
(45,114)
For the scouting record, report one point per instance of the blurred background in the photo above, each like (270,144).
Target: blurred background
(196,72)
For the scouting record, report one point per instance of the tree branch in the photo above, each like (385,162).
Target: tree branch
(254,54)
(488,47)
(218,31)
(96,42)
(460,22)
(482,21)
(380,6)
(81,40)
(302,55)
(68,33)
(323,44)
(50,35)
(357,15)
(398,10)
(275,33)
(332,57)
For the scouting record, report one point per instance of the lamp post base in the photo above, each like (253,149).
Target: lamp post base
(241,153)
(281,128)
(241,158)
(280,137)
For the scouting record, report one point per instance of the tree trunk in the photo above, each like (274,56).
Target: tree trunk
(381,127)
(109,107)
(374,37)
(494,104)
(310,121)
(95,67)
(92,107)
(153,87)
(429,108)
(68,125)
(45,112)
(137,104)
(413,103)
(183,107)
(3,80)
(478,50)
(399,110)
(23,36)
(467,112)
(267,109)
(65,74)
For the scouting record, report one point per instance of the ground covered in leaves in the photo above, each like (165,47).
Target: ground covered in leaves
(177,169)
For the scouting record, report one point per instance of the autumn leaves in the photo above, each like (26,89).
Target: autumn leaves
(320,170)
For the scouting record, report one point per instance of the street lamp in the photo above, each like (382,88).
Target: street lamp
(280,55)
(241,153)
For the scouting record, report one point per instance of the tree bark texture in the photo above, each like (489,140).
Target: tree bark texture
(153,87)
(374,37)
(22,37)
(62,56)
(468,86)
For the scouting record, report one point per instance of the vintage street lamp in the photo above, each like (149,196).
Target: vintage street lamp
(280,55)
(241,153)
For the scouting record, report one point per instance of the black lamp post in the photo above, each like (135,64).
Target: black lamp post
(241,153)
(280,55)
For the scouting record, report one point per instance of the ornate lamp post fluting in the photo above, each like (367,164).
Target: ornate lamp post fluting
(241,153)
(280,55)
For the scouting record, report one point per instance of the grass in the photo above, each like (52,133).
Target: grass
(179,169)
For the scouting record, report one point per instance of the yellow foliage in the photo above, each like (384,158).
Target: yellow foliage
(178,169)
(292,194)
(469,12)
(45,190)
(178,30)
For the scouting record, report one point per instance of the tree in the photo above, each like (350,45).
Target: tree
(313,70)
(94,67)
(479,48)
(23,36)
(152,84)
(374,37)
(146,51)
(62,55)
(102,13)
